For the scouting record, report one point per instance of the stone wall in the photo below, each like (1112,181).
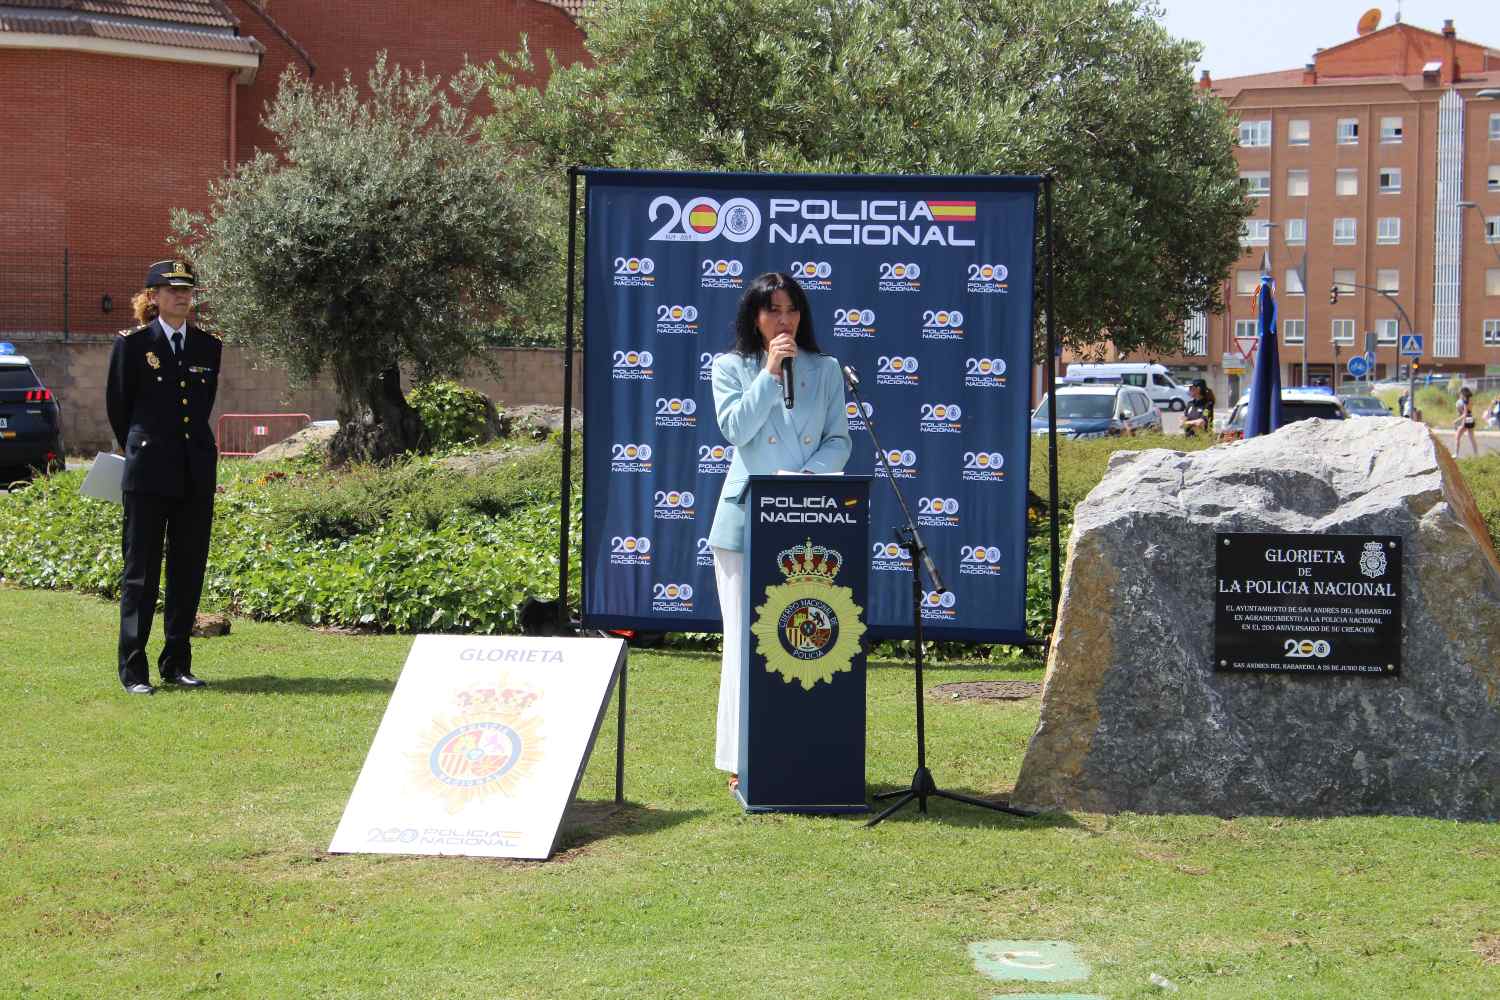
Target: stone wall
(75,371)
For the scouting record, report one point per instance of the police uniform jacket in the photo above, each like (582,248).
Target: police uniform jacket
(159,405)
(813,436)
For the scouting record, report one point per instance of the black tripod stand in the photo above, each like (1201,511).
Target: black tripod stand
(923,786)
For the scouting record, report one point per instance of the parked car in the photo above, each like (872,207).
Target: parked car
(1296,404)
(30,420)
(1365,406)
(1157,382)
(1099,410)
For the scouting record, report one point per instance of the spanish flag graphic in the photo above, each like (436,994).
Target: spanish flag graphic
(703,218)
(951,211)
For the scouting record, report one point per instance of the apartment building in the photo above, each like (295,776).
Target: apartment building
(1374,168)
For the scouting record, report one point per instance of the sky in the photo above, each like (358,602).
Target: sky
(1266,35)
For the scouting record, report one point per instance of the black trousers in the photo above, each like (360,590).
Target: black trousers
(183,525)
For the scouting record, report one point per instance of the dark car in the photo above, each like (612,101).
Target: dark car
(1095,410)
(1365,406)
(30,420)
(1296,404)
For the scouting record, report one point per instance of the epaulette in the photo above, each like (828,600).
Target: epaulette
(129,330)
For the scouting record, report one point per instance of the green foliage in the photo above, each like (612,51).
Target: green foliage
(379,233)
(406,548)
(1148,201)
(453,414)
(1482,473)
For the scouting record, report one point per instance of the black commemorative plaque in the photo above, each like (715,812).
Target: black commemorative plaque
(1308,604)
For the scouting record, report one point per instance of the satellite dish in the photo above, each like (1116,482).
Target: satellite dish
(1369,21)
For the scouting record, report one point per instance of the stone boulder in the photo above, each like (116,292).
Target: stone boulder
(313,436)
(1134,716)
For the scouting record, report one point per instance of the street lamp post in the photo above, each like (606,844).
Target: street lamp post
(1389,296)
(1494,246)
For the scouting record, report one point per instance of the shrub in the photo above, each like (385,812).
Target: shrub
(453,414)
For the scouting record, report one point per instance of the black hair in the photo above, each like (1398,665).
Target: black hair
(747,339)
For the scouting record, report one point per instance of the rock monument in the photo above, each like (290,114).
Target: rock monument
(1136,717)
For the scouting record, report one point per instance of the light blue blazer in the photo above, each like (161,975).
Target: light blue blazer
(811,437)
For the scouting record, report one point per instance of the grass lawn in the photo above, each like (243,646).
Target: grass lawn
(173,847)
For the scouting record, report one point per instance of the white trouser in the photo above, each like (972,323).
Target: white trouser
(729,574)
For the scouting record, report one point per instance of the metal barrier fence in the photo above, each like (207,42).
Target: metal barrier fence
(69,292)
(247,433)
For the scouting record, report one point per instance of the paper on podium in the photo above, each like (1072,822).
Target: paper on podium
(104,478)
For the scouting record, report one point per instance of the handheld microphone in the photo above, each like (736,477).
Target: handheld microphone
(788,394)
(851,378)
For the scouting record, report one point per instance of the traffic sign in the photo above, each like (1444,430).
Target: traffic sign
(1246,345)
(1358,366)
(1411,345)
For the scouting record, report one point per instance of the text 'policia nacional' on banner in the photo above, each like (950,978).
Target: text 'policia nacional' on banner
(922,284)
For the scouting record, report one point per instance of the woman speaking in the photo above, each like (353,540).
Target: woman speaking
(773,325)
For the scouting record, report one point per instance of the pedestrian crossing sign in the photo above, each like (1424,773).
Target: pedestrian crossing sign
(1411,345)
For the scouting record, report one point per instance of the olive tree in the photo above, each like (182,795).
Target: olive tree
(1148,203)
(381,234)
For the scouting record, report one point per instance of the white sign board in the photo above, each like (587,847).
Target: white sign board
(482,747)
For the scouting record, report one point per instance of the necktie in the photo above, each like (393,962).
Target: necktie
(177,343)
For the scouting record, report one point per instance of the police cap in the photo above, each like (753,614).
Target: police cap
(170,272)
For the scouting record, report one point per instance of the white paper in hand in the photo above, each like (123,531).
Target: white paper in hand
(104,478)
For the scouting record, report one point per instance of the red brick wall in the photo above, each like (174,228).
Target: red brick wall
(440,34)
(97,151)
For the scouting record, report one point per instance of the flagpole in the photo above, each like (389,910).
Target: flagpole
(1304,318)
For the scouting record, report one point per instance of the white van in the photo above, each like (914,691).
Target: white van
(1155,379)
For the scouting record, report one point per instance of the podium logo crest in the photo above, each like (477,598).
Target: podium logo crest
(808,629)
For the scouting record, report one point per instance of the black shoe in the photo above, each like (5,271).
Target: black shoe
(184,679)
(139,689)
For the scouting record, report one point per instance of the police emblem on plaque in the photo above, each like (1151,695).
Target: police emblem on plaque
(809,627)
(490,744)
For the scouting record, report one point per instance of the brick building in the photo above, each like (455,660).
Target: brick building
(1378,165)
(115,112)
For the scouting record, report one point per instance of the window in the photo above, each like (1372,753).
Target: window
(1386,331)
(1388,279)
(1390,180)
(1255,133)
(1492,333)
(1257,183)
(1492,281)
(1293,285)
(1246,282)
(1345,231)
(1297,132)
(1388,231)
(1348,131)
(1390,130)
(1495,128)
(1344,279)
(1246,329)
(1494,179)
(1296,183)
(1492,229)
(1255,231)
(1293,331)
(1296,230)
(1346,183)
(1343,331)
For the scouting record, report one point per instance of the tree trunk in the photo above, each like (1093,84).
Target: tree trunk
(376,424)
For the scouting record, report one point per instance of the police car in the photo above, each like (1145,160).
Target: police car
(1317,402)
(30,419)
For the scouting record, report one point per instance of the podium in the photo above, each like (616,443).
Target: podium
(802,690)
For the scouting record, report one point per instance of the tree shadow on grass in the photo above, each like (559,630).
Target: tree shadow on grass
(271,684)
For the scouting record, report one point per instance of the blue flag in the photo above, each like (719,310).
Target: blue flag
(1263,412)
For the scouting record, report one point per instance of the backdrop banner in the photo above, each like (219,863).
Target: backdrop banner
(923,284)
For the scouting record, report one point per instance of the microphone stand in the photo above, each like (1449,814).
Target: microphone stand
(923,786)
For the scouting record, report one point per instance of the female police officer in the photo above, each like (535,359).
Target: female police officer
(163,376)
